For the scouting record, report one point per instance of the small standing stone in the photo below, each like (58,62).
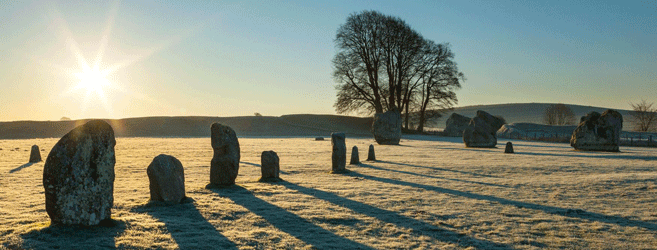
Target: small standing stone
(166,178)
(78,175)
(509,148)
(339,155)
(269,166)
(370,153)
(354,156)
(35,155)
(225,163)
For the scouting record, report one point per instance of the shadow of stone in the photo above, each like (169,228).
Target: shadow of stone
(440,169)
(574,213)
(559,145)
(288,222)
(258,165)
(433,177)
(418,226)
(186,225)
(74,237)
(21,167)
(592,154)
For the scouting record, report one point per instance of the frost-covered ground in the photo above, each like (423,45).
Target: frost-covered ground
(427,193)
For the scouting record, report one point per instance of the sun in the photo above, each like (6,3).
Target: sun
(92,80)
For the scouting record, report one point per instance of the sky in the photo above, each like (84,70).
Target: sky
(236,58)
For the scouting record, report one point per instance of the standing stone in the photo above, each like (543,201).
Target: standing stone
(509,148)
(226,160)
(339,155)
(455,125)
(386,128)
(598,132)
(269,166)
(78,175)
(354,156)
(481,131)
(370,153)
(35,155)
(167,179)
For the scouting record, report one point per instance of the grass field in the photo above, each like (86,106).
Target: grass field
(427,193)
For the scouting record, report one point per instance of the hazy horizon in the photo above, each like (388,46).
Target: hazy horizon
(236,58)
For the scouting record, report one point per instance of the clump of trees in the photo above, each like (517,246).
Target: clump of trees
(383,64)
(558,114)
(644,115)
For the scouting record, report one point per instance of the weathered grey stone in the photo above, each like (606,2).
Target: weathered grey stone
(509,148)
(598,132)
(78,175)
(455,125)
(269,166)
(494,122)
(225,163)
(481,131)
(339,155)
(386,128)
(370,153)
(35,155)
(166,178)
(354,156)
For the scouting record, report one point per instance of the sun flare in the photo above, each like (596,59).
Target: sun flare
(92,80)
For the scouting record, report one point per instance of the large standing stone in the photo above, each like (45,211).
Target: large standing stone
(78,175)
(167,179)
(226,160)
(455,125)
(35,155)
(597,132)
(354,156)
(339,155)
(269,167)
(370,153)
(481,131)
(386,128)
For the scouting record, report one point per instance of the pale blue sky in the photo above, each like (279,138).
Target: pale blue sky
(234,58)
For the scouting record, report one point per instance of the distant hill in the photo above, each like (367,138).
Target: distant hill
(286,125)
(526,113)
(199,126)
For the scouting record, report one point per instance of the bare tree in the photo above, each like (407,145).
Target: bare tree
(644,115)
(437,79)
(558,114)
(382,64)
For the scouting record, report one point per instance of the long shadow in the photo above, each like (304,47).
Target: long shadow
(187,226)
(258,165)
(615,156)
(21,167)
(418,226)
(574,213)
(430,176)
(492,150)
(288,222)
(440,169)
(248,163)
(73,237)
(541,146)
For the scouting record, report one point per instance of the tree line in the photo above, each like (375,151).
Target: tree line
(382,64)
